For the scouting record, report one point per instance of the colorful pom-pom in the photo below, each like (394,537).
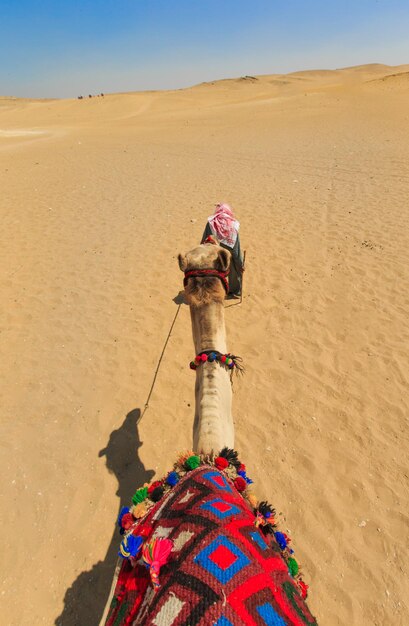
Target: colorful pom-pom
(226,359)
(243,474)
(140,495)
(253,500)
(280,538)
(152,486)
(172,478)
(139,510)
(192,462)
(268,529)
(240,483)
(293,566)
(130,546)
(157,493)
(231,456)
(183,457)
(264,508)
(221,463)
(303,588)
(246,478)
(123,512)
(127,521)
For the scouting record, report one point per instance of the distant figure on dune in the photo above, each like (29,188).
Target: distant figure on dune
(225,228)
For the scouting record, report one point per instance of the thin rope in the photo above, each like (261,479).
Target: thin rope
(158,366)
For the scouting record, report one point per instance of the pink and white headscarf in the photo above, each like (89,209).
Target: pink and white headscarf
(224,225)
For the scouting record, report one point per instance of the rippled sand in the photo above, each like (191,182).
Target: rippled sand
(97,198)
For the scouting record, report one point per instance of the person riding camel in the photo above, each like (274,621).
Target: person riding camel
(223,226)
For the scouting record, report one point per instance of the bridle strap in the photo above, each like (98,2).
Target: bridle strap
(203,273)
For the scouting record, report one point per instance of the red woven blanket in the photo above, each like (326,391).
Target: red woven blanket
(222,570)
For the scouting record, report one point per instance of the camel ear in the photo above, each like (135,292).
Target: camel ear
(182,262)
(223,260)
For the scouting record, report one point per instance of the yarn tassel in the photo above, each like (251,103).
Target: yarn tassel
(231,456)
(155,554)
(238,366)
(130,546)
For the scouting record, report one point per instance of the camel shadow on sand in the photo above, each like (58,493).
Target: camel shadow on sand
(85,600)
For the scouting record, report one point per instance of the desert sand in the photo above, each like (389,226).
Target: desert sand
(98,196)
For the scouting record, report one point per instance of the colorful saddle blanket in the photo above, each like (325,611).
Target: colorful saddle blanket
(222,569)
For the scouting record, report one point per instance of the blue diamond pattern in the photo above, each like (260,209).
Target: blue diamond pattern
(209,506)
(222,575)
(211,477)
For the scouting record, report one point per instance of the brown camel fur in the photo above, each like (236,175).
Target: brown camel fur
(213,423)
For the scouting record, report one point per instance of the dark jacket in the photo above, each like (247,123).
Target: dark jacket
(236,266)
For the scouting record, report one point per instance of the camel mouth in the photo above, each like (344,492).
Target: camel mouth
(204,290)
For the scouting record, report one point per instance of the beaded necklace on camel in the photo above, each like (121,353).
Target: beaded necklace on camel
(231,361)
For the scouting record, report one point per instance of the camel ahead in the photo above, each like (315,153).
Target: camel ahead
(205,268)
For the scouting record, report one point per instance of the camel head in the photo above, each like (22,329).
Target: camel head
(201,290)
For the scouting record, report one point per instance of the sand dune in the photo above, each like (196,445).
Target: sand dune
(392,82)
(98,197)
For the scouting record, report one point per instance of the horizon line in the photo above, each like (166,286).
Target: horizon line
(205,82)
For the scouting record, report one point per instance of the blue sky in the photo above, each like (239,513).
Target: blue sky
(61,48)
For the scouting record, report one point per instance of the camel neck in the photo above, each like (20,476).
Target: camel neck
(208,327)
(213,424)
